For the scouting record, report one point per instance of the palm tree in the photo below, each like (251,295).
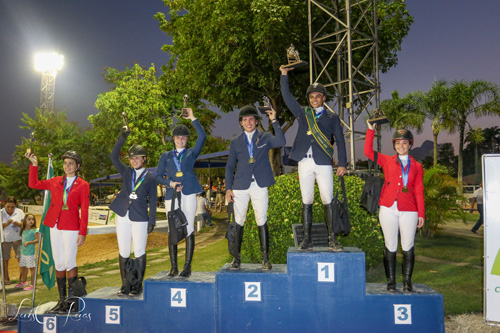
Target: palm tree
(477,98)
(475,137)
(491,140)
(412,111)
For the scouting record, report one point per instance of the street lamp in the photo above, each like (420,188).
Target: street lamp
(48,64)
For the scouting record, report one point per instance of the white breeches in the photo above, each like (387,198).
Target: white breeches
(131,232)
(392,221)
(188,207)
(260,202)
(309,172)
(63,244)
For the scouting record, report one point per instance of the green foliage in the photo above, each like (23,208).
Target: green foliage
(285,209)
(442,201)
(53,134)
(150,107)
(229,52)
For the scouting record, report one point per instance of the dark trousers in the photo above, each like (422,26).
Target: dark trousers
(479,222)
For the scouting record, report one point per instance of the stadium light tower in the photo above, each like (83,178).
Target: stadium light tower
(48,64)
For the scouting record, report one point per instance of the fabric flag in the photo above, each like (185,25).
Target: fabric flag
(47,267)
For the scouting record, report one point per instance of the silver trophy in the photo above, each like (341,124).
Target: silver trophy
(293,58)
(267,105)
(125,121)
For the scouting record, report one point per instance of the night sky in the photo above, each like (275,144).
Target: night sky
(449,40)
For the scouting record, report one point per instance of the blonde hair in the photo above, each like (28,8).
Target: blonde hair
(23,226)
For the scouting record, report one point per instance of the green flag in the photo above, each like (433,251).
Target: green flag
(47,267)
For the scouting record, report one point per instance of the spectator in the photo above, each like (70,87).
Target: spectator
(478,199)
(12,218)
(203,209)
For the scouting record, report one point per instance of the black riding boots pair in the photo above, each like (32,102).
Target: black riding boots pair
(390,269)
(307,220)
(69,303)
(235,249)
(172,249)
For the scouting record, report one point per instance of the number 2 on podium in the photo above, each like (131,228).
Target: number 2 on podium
(252,291)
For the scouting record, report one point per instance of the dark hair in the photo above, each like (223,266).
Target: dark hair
(11,199)
(23,226)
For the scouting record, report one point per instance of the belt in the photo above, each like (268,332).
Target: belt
(308,156)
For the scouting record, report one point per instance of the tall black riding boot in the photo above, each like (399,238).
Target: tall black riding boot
(137,288)
(408,262)
(186,272)
(307,219)
(264,247)
(125,289)
(71,303)
(236,251)
(332,237)
(174,270)
(61,287)
(390,269)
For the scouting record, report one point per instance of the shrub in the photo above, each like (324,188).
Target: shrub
(285,209)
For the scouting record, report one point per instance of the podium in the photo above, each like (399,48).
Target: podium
(316,291)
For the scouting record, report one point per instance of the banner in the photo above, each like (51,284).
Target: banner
(491,208)
(47,267)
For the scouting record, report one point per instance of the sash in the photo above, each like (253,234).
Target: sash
(320,138)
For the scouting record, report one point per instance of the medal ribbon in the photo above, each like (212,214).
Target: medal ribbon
(405,172)
(249,146)
(177,160)
(141,179)
(66,190)
(320,138)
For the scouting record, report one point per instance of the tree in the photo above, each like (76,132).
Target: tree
(475,99)
(150,108)
(416,107)
(442,199)
(229,52)
(474,138)
(53,134)
(491,140)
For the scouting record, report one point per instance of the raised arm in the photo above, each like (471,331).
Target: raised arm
(115,153)
(290,101)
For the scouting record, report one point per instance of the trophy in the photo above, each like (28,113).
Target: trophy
(293,58)
(267,105)
(125,122)
(184,113)
(378,118)
(30,149)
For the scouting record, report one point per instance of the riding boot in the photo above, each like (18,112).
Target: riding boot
(264,247)
(71,303)
(390,269)
(125,289)
(137,288)
(174,271)
(186,272)
(61,287)
(408,262)
(307,219)
(332,237)
(235,265)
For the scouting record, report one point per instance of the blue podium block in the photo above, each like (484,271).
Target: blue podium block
(337,274)
(252,300)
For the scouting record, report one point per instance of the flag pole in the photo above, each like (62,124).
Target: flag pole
(41,235)
(3,276)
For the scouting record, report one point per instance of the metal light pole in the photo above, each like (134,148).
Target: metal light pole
(48,64)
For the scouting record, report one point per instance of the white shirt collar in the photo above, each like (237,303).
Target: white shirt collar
(250,134)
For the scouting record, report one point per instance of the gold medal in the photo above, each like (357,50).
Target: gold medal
(309,132)
(179,174)
(65,207)
(405,189)
(251,160)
